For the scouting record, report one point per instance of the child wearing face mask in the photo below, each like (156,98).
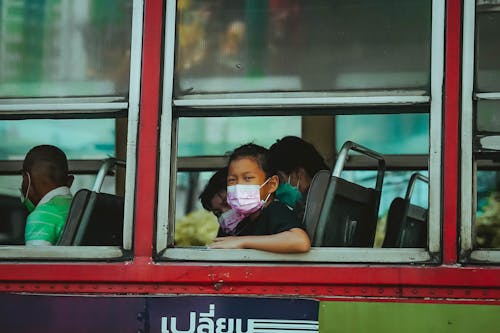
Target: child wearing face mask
(257,220)
(214,198)
(296,161)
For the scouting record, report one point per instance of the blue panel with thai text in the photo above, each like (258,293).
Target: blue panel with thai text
(218,314)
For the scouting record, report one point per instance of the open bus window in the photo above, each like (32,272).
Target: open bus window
(199,138)
(345,71)
(85,142)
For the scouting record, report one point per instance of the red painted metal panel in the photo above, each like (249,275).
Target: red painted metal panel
(416,293)
(451,138)
(206,274)
(148,128)
(143,276)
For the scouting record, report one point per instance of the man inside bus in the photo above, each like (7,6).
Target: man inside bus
(45,193)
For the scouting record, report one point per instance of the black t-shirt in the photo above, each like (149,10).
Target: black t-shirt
(273,219)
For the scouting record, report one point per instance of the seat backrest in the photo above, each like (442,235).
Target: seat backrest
(314,201)
(94,219)
(349,215)
(414,231)
(342,213)
(407,224)
(12,220)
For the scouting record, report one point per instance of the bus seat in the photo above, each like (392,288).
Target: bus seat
(102,224)
(12,220)
(349,212)
(95,218)
(407,223)
(315,195)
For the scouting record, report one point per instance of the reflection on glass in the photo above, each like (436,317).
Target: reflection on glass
(65,48)
(487,48)
(488,209)
(488,117)
(293,45)
(386,134)
(79,139)
(220,135)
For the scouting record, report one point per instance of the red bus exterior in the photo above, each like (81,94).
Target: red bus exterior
(447,282)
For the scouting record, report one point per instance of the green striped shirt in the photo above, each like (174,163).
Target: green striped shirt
(45,224)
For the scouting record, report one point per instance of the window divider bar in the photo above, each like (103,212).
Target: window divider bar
(302,101)
(133,121)
(467,194)
(436,111)
(489,95)
(167,151)
(62,107)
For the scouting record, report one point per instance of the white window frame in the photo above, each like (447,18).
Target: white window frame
(168,157)
(469,166)
(87,106)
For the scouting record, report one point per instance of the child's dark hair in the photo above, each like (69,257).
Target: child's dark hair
(216,184)
(292,152)
(256,152)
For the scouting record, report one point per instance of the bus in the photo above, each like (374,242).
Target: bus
(148,97)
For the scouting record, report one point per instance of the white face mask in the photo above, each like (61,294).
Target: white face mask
(24,197)
(245,199)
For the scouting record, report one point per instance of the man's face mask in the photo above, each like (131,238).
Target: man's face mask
(245,199)
(289,194)
(24,197)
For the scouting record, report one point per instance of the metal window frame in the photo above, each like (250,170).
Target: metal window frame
(83,107)
(169,160)
(468,254)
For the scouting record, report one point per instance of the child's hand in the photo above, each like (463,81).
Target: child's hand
(230,242)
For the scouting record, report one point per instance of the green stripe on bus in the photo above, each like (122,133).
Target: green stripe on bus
(374,317)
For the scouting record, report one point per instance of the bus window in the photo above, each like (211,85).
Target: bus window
(231,47)
(70,48)
(70,78)
(326,72)
(480,231)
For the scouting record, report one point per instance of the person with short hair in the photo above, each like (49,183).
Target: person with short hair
(296,161)
(45,193)
(213,196)
(259,222)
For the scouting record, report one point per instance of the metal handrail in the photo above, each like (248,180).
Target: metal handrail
(411,184)
(343,155)
(107,165)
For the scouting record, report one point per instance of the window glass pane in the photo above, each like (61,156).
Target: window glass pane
(488,116)
(65,48)
(487,48)
(488,209)
(79,139)
(219,135)
(386,134)
(292,45)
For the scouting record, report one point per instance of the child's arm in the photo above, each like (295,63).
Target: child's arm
(294,240)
